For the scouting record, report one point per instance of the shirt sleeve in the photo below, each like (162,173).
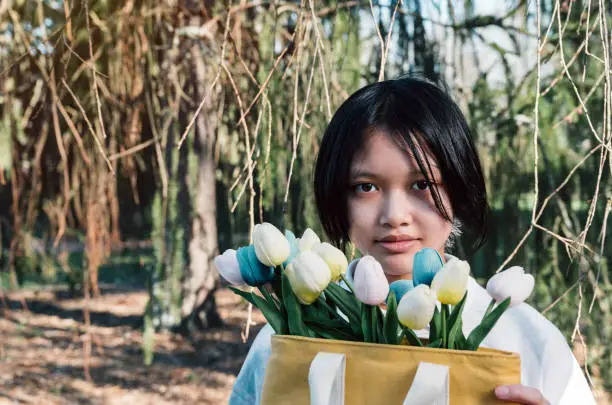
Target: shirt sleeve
(577,390)
(249,383)
(547,361)
(564,382)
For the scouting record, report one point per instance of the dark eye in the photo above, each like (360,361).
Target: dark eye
(421,185)
(365,188)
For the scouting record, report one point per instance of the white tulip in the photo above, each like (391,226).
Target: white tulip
(228,267)
(370,283)
(271,246)
(308,275)
(416,308)
(335,259)
(513,283)
(308,240)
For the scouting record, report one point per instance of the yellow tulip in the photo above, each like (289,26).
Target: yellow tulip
(416,308)
(335,259)
(308,275)
(450,283)
(271,246)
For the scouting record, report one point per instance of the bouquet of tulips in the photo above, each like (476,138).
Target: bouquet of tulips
(304,290)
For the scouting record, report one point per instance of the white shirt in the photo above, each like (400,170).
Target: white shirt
(547,363)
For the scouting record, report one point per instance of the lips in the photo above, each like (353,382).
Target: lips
(396,238)
(397,243)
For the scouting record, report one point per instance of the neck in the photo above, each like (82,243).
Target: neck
(391,277)
(408,276)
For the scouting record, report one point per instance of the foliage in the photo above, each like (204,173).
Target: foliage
(286,67)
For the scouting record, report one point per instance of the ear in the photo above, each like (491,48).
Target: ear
(455,234)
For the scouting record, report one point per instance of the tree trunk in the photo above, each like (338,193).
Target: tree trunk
(182,285)
(198,309)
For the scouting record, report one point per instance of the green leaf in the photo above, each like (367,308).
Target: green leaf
(435,326)
(331,333)
(331,303)
(332,329)
(461,341)
(490,307)
(266,294)
(346,301)
(324,310)
(328,323)
(294,310)
(244,294)
(413,339)
(489,321)
(435,344)
(270,312)
(454,322)
(348,305)
(277,287)
(391,323)
(313,313)
(320,313)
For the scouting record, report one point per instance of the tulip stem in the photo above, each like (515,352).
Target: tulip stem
(350,287)
(366,323)
(443,313)
(376,330)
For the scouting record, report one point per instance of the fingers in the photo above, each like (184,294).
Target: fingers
(521,394)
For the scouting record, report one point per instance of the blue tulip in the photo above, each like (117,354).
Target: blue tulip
(293,245)
(253,272)
(400,288)
(427,262)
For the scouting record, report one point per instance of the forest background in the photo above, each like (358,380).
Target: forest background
(139,138)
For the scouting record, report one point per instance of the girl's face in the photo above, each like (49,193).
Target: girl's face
(392,214)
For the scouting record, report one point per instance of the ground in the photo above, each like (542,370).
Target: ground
(42,356)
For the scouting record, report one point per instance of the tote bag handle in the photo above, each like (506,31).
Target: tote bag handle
(326,380)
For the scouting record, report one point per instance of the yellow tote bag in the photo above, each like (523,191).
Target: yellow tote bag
(307,371)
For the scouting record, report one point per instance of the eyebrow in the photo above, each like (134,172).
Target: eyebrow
(365,173)
(362,173)
(373,175)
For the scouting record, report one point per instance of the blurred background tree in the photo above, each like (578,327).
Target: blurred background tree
(167,129)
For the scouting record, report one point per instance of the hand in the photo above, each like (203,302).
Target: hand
(520,394)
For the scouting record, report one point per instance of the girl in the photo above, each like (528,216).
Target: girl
(397,171)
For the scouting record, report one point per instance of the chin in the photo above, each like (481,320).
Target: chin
(397,265)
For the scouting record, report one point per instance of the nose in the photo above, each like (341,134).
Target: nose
(397,210)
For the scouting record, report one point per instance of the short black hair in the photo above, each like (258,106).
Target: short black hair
(418,114)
